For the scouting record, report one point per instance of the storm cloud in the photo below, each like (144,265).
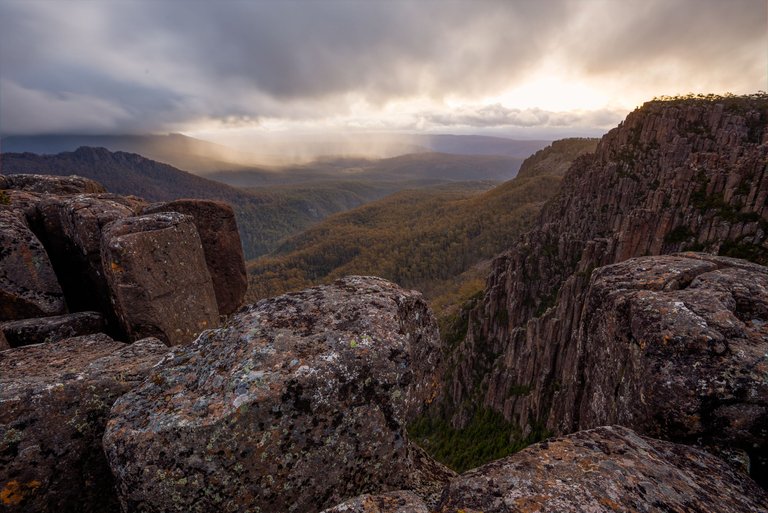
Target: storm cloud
(142,66)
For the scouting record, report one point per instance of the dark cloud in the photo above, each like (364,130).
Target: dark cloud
(157,65)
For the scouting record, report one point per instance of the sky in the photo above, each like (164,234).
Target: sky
(236,68)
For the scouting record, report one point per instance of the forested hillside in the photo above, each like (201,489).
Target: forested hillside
(277,204)
(428,239)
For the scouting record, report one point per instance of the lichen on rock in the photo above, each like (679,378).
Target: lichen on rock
(297,403)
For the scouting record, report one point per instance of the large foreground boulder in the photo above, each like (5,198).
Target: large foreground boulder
(54,402)
(157,277)
(223,250)
(676,348)
(605,470)
(39,330)
(28,284)
(296,404)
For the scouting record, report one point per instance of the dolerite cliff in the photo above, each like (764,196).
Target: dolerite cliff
(674,347)
(77,260)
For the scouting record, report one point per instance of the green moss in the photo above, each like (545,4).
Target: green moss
(4,198)
(487,437)
(518,390)
(546,303)
(679,234)
(745,251)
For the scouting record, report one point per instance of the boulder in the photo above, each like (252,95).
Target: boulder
(296,404)
(223,250)
(28,285)
(158,281)
(70,227)
(605,470)
(39,330)
(676,347)
(22,202)
(54,402)
(391,502)
(48,184)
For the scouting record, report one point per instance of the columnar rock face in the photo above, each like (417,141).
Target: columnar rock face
(223,250)
(674,175)
(54,402)
(676,347)
(40,330)
(28,285)
(70,227)
(604,470)
(297,403)
(157,276)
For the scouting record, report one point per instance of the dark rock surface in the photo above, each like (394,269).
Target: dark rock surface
(40,330)
(48,184)
(675,347)
(673,176)
(605,470)
(70,227)
(3,342)
(390,502)
(22,202)
(223,250)
(158,281)
(28,284)
(54,402)
(296,404)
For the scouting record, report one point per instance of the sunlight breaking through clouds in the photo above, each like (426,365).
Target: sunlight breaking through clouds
(143,66)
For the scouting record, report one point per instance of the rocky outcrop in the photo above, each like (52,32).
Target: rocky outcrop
(674,175)
(297,403)
(157,278)
(604,470)
(40,330)
(70,227)
(48,184)
(391,502)
(3,342)
(54,402)
(217,227)
(51,230)
(28,285)
(676,347)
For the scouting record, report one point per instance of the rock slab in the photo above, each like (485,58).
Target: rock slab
(70,227)
(296,404)
(158,281)
(215,221)
(47,184)
(401,501)
(41,330)
(54,402)
(605,470)
(28,284)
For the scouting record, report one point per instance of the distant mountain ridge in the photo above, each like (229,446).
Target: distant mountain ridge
(201,156)
(178,150)
(264,217)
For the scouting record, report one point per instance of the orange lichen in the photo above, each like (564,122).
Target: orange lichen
(13,492)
